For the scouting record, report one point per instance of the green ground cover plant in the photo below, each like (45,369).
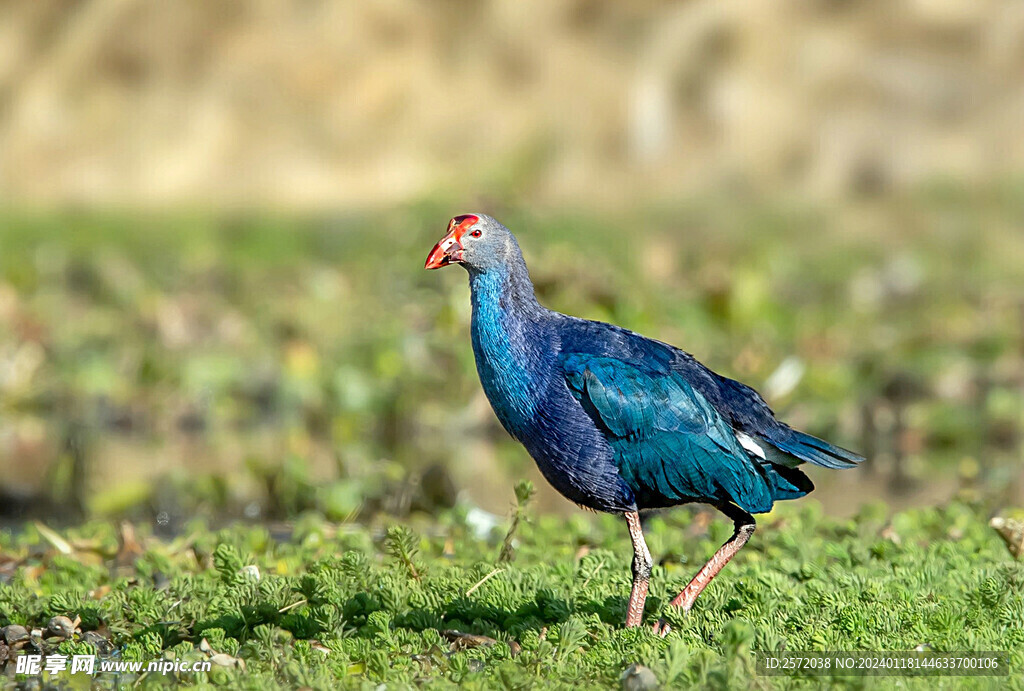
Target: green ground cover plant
(432,604)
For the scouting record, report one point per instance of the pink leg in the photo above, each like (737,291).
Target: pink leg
(744,529)
(641,571)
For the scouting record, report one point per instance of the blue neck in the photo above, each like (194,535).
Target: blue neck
(505,333)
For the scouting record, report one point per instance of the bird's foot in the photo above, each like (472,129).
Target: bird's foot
(662,628)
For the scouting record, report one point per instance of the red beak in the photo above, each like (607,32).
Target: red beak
(446,251)
(449,249)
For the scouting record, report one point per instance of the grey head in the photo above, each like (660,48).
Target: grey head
(479,243)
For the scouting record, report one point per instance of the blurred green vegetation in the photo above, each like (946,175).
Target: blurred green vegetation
(162,364)
(431,604)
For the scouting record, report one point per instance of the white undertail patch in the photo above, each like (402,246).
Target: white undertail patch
(748,443)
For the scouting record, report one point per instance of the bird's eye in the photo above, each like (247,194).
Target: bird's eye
(475,234)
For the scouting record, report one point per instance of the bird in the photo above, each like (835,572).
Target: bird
(618,422)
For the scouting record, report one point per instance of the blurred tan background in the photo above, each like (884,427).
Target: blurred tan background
(367,103)
(214,214)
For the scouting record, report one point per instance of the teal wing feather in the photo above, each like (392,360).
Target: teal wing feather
(670,443)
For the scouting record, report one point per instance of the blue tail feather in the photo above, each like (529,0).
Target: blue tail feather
(787,483)
(813,450)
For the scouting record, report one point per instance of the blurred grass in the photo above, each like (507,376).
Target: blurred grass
(267,363)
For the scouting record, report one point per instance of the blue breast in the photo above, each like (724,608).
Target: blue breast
(515,343)
(505,357)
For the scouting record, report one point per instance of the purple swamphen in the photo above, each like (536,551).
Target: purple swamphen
(618,422)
